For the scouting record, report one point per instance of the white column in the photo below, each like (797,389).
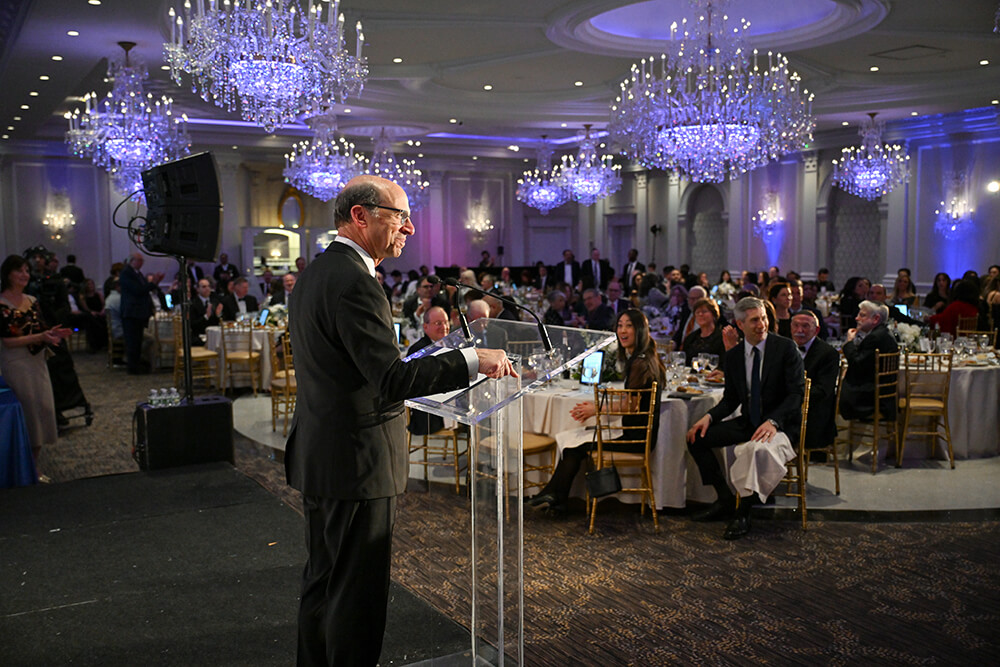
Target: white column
(894,212)
(671,235)
(642,237)
(807,190)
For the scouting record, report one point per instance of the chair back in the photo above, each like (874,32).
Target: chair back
(614,405)
(236,337)
(928,376)
(967,323)
(886,380)
(805,416)
(273,344)
(286,352)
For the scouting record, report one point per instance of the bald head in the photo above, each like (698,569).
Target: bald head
(477,309)
(374,213)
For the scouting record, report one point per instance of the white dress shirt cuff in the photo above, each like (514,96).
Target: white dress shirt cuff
(471,360)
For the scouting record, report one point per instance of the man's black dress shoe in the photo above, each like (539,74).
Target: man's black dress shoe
(738,528)
(541,500)
(720,509)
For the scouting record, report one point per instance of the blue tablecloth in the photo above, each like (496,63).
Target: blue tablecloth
(17,468)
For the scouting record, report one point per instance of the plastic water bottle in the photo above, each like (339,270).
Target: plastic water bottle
(153,398)
(175,398)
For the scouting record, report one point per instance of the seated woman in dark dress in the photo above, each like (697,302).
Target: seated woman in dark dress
(707,338)
(642,367)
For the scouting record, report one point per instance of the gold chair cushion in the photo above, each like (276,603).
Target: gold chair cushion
(922,403)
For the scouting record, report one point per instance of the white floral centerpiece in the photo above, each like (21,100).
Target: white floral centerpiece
(277,315)
(909,335)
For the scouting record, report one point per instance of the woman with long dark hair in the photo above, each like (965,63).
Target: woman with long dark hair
(965,303)
(24,336)
(937,298)
(642,367)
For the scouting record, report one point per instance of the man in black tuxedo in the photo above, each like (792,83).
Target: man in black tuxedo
(597,315)
(224,273)
(346,451)
(798,305)
(427,295)
(617,304)
(436,326)
(631,267)
(764,377)
(136,308)
(239,302)
(877,294)
(543,282)
(567,271)
(205,310)
(857,397)
(284,296)
(596,272)
(822,364)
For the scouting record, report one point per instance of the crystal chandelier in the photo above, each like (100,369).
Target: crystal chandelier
(710,108)
(769,219)
(401,171)
(268,58)
(130,130)
(59,219)
(322,166)
(539,188)
(872,169)
(587,176)
(954,218)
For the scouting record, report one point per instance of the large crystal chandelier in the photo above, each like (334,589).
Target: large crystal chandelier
(710,108)
(323,166)
(59,219)
(400,171)
(872,169)
(954,216)
(539,188)
(589,176)
(269,58)
(128,131)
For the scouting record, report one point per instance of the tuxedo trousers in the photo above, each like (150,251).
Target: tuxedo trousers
(721,434)
(345,583)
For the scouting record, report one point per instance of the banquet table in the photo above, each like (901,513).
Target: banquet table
(213,341)
(17,467)
(675,477)
(973,415)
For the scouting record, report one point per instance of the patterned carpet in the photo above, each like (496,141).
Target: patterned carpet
(841,593)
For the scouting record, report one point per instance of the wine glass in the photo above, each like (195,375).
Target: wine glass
(712,363)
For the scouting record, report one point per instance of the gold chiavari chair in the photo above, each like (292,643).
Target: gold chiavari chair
(796,469)
(116,346)
(831,449)
(203,361)
(237,352)
(283,386)
(439,449)
(613,406)
(886,391)
(928,379)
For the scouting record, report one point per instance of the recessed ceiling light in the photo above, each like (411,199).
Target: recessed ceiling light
(43,77)
(25,107)
(452,120)
(984,62)
(94,2)
(416,143)
(993,186)
(235,147)
(914,113)
(994,101)
(488,87)
(165,68)
(10,127)
(475,157)
(420,154)
(845,123)
(33,93)
(562,125)
(526,159)
(57,58)
(347,111)
(17,118)
(72,33)
(873,68)
(514,148)
(578,83)
(6,136)
(397,60)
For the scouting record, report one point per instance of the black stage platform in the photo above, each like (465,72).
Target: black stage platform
(190,566)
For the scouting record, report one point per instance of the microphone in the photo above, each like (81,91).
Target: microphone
(546,343)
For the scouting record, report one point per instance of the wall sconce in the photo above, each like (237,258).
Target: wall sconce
(954,215)
(59,217)
(769,219)
(479,219)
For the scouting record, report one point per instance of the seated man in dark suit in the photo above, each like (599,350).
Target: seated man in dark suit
(764,379)
(597,315)
(616,303)
(205,310)
(857,397)
(427,295)
(436,326)
(239,302)
(877,294)
(822,364)
(284,295)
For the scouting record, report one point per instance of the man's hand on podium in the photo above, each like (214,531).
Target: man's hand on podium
(494,363)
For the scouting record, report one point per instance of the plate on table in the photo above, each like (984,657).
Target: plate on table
(714,382)
(687,392)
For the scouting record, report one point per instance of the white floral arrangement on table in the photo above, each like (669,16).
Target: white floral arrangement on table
(277,315)
(726,289)
(909,335)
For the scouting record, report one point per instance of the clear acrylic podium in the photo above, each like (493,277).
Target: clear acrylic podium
(492,411)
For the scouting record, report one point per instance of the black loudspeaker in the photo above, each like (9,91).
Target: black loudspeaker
(199,432)
(184,209)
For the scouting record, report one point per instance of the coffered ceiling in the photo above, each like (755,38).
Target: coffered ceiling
(552,65)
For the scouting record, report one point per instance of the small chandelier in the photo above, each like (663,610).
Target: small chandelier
(130,130)
(265,57)
(401,171)
(539,188)
(872,169)
(59,218)
(322,166)
(479,219)
(954,218)
(710,108)
(588,177)
(769,219)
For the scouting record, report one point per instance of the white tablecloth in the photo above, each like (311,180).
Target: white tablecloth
(161,327)
(213,341)
(675,477)
(973,415)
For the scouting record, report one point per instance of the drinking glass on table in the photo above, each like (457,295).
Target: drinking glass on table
(711,362)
